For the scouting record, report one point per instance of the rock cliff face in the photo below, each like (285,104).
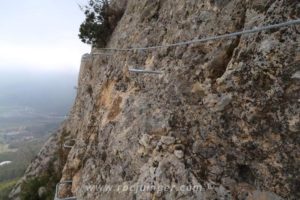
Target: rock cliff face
(223,115)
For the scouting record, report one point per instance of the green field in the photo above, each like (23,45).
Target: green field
(20,160)
(22,134)
(5,188)
(5,148)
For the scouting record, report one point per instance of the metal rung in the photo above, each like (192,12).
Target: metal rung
(296,75)
(144,71)
(57,190)
(69,146)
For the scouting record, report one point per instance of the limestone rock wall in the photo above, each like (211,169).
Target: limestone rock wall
(223,114)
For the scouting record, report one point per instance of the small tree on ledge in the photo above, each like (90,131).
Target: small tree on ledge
(101,20)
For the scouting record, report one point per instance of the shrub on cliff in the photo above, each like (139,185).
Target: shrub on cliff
(48,180)
(30,189)
(101,20)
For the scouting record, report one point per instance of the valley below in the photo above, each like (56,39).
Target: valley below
(23,131)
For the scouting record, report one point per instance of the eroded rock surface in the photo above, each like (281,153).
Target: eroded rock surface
(224,115)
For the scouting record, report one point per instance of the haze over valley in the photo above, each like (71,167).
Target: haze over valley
(32,106)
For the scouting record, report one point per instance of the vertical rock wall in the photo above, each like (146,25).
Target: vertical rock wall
(223,115)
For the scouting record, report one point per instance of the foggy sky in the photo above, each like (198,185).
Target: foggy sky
(41,35)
